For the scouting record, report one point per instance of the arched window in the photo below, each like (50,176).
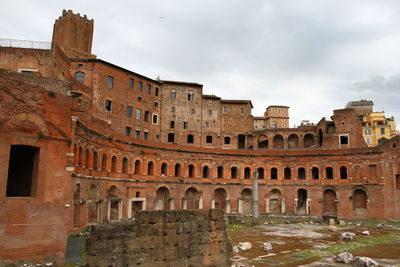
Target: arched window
(205,172)
(104,162)
(87,158)
(177,170)
(95,159)
(274,173)
(315,173)
(114,164)
(301,174)
(233,172)
(343,172)
(80,76)
(247,173)
(150,168)
(190,96)
(220,171)
(173,94)
(137,166)
(288,173)
(80,157)
(191,170)
(329,173)
(164,169)
(125,165)
(260,173)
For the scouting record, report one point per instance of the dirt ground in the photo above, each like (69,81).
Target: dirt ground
(314,243)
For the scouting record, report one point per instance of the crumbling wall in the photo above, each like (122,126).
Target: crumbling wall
(161,238)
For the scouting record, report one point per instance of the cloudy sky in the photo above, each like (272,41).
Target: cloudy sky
(311,55)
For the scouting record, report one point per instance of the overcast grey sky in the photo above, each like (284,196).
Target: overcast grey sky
(313,56)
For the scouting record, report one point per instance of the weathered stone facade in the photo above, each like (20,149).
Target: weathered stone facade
(161,238)
(82,167)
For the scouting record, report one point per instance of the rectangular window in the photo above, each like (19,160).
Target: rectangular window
(129,112)
(172,125)
(344,139)
(148,88)
(193,111)
(146,135)
(209,112)
(367,131)
(140,85)
(22,171)
(225,109)
(138,113)
(155,119)
(108,105)
(185,125)
(146,116)
(110,81)
(207,124)
(130,83)
(156,104)
(209,139)
(128,131)
(137,133)
(139,99)
(227,140)
(382,130)
(156,91)
(173,109)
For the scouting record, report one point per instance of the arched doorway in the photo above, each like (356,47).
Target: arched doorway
(293,141)
(93,205)
(278,141)
(330,205)
(192,197)
(113,203)
(247,201)
(220,199)
(360,203)
(301,201)
(163,200)
(275,204)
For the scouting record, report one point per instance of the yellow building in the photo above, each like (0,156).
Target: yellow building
(377,128)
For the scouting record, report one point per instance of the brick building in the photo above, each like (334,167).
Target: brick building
(118,142)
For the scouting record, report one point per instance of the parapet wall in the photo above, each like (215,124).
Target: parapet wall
(161,238)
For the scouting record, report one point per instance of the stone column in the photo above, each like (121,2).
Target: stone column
(171,204)
(267,205)
(228,206)
(255,197)
(183,203)
(201,203)
(283,206)
(213,203)
(240,209)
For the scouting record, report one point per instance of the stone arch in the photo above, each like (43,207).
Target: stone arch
(112,192)
(278,141)
(28,62)
(329,203)
(191,170)
(220,199)
(33,120)
(262,142)
(246,201)
(301,205)
(293,141)
(192,197)
(275,204)
(308,140)
(360,200)
(163,198)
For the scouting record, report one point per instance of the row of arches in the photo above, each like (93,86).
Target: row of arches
(278,141)
(206,172)
(192,198)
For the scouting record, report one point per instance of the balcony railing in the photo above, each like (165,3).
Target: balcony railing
(25,44)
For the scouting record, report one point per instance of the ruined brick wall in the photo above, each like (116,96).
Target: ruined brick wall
(161,238)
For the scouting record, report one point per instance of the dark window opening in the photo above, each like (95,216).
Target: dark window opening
(344,140)
(164,169)
(130,83)
(247,173)
(172,125)
(301,174)
(274,173)
(156,91)
(260,173)
(108,105)
(171,137)
(205,171)
(329,173)
(209,139)
(227,140)
(315,173)
(288,173)
(190,138)
(128,131)
(191,171)
(233,172)
(148,88)
(146,115)
(177,170)
(220,172)
(110,81)
(22,171)
(343,172)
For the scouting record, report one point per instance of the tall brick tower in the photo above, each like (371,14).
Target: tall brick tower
(73,33)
